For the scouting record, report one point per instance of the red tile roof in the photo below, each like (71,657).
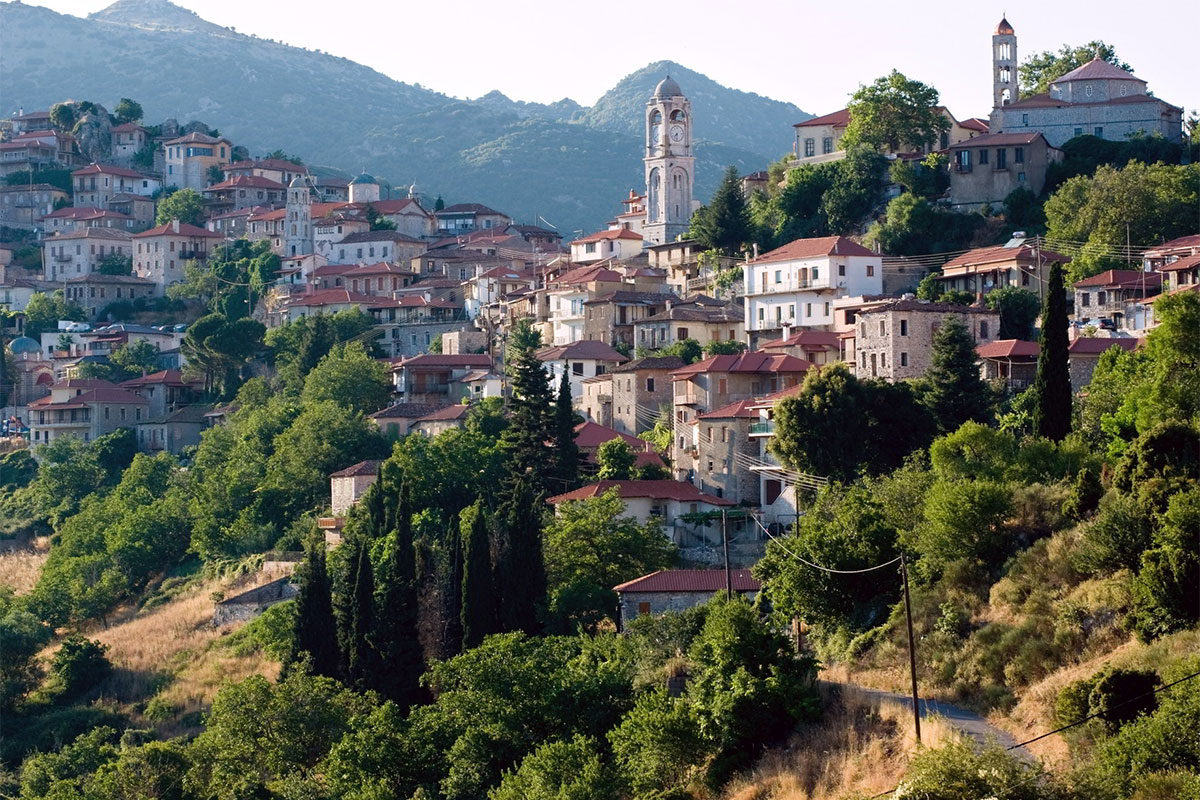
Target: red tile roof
(330,297)
(106,169)
(444,360)
(1191,262)
(370,467)
(590,435)
(247,182)
(199,138)
(171,377)
(1095,345)
(807,340)
(608,235)
(838,119)
(1096,69)
(754,361)
(1008,348)
(127,127)
(103,394)
(656,490)
(691,580)
(587,348)
(587,275)
(812,248)
(1001,254)
(999,140)
(1122,278)
(1183,242)
(738,410)
(168,229)
(975,124)
(446,413)
(469,208)
(85,212)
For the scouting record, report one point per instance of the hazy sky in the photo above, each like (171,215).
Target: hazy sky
(811,54)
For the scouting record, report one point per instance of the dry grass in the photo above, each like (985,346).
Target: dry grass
(20,565)
(167,653)
(859,747)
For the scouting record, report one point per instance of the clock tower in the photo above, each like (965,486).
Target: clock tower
(670,167)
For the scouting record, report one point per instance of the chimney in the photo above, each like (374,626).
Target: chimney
(175,226)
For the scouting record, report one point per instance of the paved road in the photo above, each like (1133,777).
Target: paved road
(966,721)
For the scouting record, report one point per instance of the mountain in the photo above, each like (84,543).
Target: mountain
(567,163)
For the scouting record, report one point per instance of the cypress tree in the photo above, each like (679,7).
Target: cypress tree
(529,433)
(522,572)
(1052,386)
(724,224)
(357,613)
(313,631)
(395,635)
(957,393)
(478,613)
(566,452)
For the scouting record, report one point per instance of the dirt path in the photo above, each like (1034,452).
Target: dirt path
(958,717)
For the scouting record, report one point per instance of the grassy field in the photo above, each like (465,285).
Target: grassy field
(21,563)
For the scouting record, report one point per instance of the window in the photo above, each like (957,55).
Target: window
(721,385)
(778,276)
(577,368)
(792,311)
(1001,158)
(1024,278)
(762,312)
(904,327)
(1099,132)
(864,360)
(1020,177)
(1018,155)
(683,333)
(1101,298)
(841,270)
(983,330)
(816,274)
(1025,119)
(1086,299)
(882,328)
(827,145)
(808,309)
(649,384)
(904,359)
(810,148)
(870,270)
(1079,131)
(827,309)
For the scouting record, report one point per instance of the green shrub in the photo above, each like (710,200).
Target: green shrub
(659,744)
(269,632)
(1121,695)
(1072,703)
(570,770)
(959,770)
(1085,494)
(1117,537)
(79,665)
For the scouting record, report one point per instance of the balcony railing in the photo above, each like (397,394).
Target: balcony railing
(762,428)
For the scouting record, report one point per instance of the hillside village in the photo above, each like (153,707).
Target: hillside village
(833,355)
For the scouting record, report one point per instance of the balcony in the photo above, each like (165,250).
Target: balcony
(193,253)
(62,258)
(763,428)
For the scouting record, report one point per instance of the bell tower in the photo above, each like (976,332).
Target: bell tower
(670,167)
(1005,89)
(297,232)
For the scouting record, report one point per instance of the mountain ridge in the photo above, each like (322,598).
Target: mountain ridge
(574,162)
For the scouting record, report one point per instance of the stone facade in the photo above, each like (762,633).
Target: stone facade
(670,166)
(348,485)
(895,342)
(597,403)
(248,605)
(986,169)
(639,389)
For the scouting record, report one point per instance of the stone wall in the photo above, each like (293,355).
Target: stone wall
(248,605)
(634,604)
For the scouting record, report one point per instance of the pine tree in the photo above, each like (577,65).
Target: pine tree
(313,632)
(724,224)
(478,612)
(521,570)
(566,452)
(1052,386)
(395,634)
(529,433)
(956,392)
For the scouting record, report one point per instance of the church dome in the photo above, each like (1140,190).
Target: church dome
(297,182)
(667,88)
(24,345)
(1004,29)
(364,178)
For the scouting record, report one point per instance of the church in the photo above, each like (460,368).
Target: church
(1097,99)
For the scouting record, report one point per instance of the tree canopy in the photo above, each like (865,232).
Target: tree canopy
(185,205)
(1039,70)
(894,112)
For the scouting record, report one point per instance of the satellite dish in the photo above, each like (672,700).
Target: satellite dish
(989,283)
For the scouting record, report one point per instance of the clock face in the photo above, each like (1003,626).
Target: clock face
(655,135)
(676,133)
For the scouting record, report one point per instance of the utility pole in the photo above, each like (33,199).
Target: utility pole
(912,649)
(725,546)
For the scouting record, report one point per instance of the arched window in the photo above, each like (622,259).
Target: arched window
(656,117)
(678,116)
(653,190)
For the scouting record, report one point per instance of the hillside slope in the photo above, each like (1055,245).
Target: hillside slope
(567,163)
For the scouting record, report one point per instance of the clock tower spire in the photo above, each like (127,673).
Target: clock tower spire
(670,167)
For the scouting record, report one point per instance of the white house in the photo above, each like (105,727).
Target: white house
(666,501)
(615,243)
(796,285)
(583,359)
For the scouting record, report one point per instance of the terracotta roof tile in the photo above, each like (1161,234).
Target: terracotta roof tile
(657,490)
(813,248)
(691,580)
(1008,348)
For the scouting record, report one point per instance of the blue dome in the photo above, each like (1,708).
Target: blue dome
(23,344)
(365,178)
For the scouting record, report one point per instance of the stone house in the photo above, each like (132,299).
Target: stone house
(1084,353)
(277,170)
(1116,299)
(368,246)
(248,605)
(681,262)
(165,391)
(702,318)
(818,140)
(1181,273)
(189,159)
(723,445)
(1168,252)
(589,436)
(87,409)
(76,218)
(663,501)
(95,292)
(720,381)
(174,431)
(442,420)
(1019,262)
(1010,360)
(436,378)
(674,590)
(616,244)
(596,403)
(818,347)
(128,139)
(895,341)
(639,390)
(96,185)
(579,360)
(986,169)
(137,207)
(796,285)
(243,191)
(611,317)
(80,253)
(396,420)
(160,253)
(466,217)
(25,207)
(567,293)
(348,485)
